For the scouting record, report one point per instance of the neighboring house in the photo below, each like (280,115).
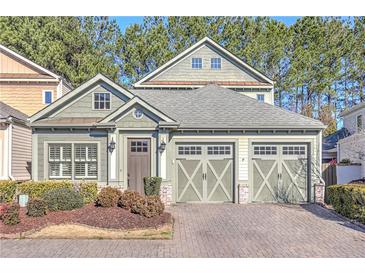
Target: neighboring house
(329,145)
(15,144)
(185,123)
(27,86)
(353,147)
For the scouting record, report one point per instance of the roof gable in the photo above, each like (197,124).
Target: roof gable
(178,71)
(133,103)
(14,63)
(77,94)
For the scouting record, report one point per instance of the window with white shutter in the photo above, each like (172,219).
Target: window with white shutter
(60,161)
(86,161)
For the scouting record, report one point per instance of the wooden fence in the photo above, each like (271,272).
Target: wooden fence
(329,176)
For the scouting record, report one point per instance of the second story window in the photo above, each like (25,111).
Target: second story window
(196,63)
(261,97)
(101,100)
(215,63)
(47,97)
(359,123)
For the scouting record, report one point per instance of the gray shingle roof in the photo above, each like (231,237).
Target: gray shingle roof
(216,107)
(8,111)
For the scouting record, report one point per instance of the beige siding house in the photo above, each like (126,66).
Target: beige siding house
(27,86)
(15,144)
(192,122)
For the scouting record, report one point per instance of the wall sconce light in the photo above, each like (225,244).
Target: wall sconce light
(111,145)
(162,146)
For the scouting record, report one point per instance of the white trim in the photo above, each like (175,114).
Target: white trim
(44,96)
(129,104)
(76,91)
(29,62)
(59,89)
(270,88)
(93,101)
(10,154)
(6,150)
(27,80)
(113,157)
(199,43)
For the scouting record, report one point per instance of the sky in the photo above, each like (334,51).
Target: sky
(125,21)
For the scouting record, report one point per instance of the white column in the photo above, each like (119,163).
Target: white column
(113,157)
(163,157)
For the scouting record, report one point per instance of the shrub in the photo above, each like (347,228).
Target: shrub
(128,198)
(3,209)
(148,206)
(38,189)
(152,185)
(7,191)
(36,207)
(348,200)
(63,199)
(11,214)
(88,191)
(108,197)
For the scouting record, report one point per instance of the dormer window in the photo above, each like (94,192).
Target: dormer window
(215,63)
(359,123)
(196,63)
(261,98)
(102,100)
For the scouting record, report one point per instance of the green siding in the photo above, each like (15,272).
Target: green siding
(129,121)
(62,137)
(83,107)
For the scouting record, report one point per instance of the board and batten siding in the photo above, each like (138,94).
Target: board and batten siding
(243,159)
(83,107)
(48,137)
(21,150)
(183,69)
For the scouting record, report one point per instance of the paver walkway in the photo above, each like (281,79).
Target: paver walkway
(228,230)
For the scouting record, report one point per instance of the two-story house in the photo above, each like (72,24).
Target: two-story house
(204,121)
(25,88)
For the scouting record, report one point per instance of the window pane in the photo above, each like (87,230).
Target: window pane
(215,63)
(260,97)
(92,170)
(47,97)
(80,169)
(197,63)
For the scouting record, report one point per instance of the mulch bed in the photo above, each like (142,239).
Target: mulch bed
(112,218)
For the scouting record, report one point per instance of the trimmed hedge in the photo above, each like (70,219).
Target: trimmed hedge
(152,185)
(7,191)
(38,189)
(88,191)
(148,206)
(11,214)
(63,199)
(36,207)
(348,200)
(128,198)
(108,197)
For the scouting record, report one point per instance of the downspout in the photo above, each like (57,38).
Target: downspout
(10,143)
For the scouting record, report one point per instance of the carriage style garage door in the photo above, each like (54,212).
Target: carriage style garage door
(204,172)
(279,173)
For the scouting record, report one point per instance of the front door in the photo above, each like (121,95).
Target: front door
(139,163)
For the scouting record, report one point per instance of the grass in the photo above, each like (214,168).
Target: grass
(78,231)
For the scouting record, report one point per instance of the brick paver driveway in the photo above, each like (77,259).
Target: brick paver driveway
(260,230)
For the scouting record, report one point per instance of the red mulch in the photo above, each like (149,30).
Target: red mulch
(112,217)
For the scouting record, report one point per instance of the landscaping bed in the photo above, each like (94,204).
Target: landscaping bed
(102,217)
(65,210)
